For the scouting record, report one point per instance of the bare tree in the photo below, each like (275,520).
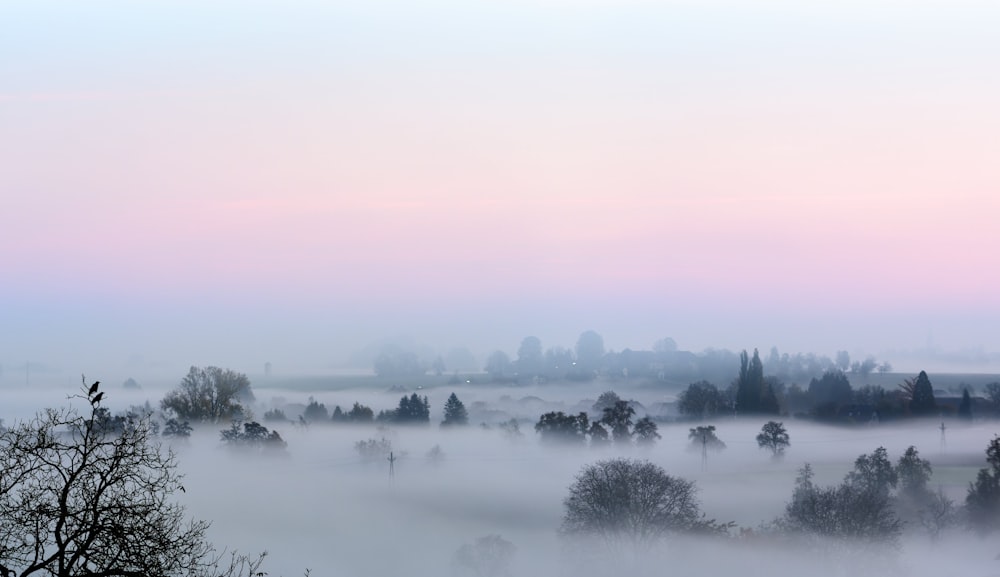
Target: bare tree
(631,501)
(209,394)
(77,498)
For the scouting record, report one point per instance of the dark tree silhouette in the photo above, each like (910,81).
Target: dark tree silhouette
(982,502)
(618,418)
(923,403)
(702,399)
(454,412)
(646,433)
(558,427)
(209,394)
(774,438)
(78,499)
(627,500)
(753,394)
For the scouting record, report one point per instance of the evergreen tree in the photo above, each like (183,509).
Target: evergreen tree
(923,402)
(754,395)
(412,409)
(965,407)
(454,412)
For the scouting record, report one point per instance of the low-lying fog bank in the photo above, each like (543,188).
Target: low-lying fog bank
(320,505)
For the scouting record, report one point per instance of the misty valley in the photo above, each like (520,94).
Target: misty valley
(611,466)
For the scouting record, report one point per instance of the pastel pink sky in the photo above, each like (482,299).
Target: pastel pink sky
(317,174)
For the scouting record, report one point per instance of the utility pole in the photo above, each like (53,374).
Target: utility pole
(942,427)
(392,470)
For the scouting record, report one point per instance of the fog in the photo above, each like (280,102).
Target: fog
(319,506)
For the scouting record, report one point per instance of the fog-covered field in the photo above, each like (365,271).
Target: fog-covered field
(320,506)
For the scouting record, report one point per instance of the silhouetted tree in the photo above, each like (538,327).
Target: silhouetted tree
(78,500)
(177,429)
(558,427)
(874,473)
(627,500)
(705,437)
(849,512)
(252,437)
(982,502)
(606,400)
(965,406)
(316,412)
(454,412)
(618,418)
(646,433)
(599,436)
(702,399)
(412,410)
(992,391)
(360,414)
(923,402)
(829,392)
(209,394)
(774,438)
(753,394)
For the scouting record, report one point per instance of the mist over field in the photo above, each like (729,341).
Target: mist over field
(320,505)
(780,210)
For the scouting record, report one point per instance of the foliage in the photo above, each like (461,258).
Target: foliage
(606,400)
(992,391)
(360,414)
(922,399)
(965,406)
(209,394)
(646,433)
(851,512)
(705,437)
(373,448)
(599,436)
(275,415)
(627,500)
(177,429)
(773,437)
(618,418)
(829,392)
(702,399)
(454,412)
(77,499)
(753,394)
(558,427)
(315,412)
(411,410)
(511,429)
(982,501)
(252,437)
(489,556)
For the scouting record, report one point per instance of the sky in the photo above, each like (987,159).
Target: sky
(233,183)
